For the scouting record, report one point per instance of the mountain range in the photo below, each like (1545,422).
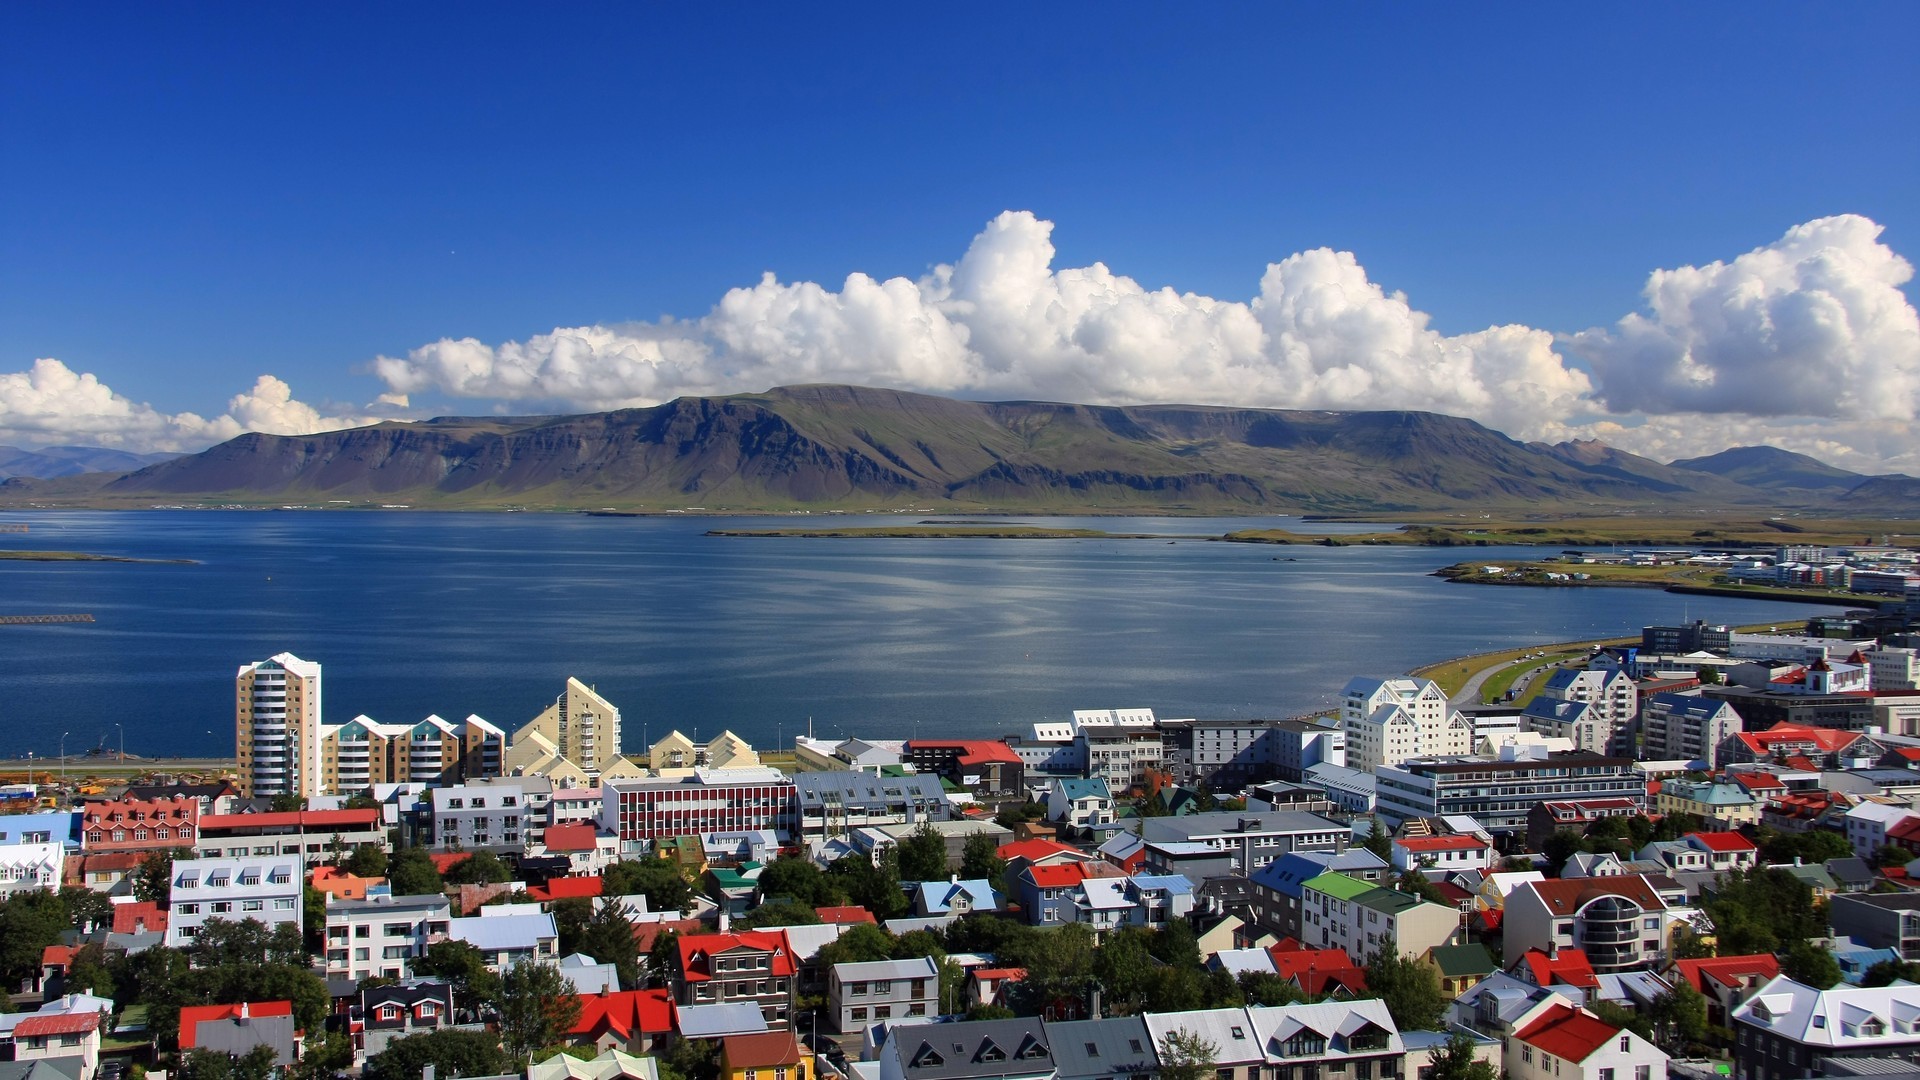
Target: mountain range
(846,447)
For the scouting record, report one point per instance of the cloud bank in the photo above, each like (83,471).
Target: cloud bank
(1806,343)
(51,403)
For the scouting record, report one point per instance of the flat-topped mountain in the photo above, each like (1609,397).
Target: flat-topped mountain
(855,447)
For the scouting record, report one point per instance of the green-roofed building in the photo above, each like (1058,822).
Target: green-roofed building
(1461,966)
(1339,912)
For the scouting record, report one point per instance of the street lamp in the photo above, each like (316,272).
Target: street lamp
(121,728)
(63,756)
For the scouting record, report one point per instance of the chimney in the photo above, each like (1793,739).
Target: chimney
(244,1017)
(1553,950)
(726,921)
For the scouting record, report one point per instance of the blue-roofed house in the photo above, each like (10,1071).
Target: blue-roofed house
(954,896)
(47,827)
(1079,804)
(1276,886)
(1854,959)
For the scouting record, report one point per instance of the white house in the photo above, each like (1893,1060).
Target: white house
(506,934)
(30,866)
(382,935)
(1388,721)
(1434,855)
(1869,823)
(1080,804)
(1567,1043)
(861,994)
(267,888)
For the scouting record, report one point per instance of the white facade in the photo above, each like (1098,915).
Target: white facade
(268,888)
(1572,1044)
(277,727)
(1609,692)
(1388,721)
(383,936)
(30,866)
(1894,669)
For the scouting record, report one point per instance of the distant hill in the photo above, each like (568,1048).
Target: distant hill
(854,447)
(1773,469)
(53,461)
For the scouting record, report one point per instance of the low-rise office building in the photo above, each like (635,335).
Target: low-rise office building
(1246,841)
(643,810)
(832,805)
(313,835)
(1499,792)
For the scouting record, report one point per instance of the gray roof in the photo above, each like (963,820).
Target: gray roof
(918,968)
(59,1068)
(237,1037)
(426,902)
(490,933)
(713,1021)
(1231,823)
(1016,1047)
(865,790)
(1117,1046)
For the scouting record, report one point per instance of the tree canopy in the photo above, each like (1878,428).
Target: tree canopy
(451,1051)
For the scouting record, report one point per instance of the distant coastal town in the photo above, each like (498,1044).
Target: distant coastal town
(1661,855)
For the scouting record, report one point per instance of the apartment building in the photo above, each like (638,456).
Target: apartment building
(642,810)
(1224,755)
(142,825)
(383,935)
(832,805)
(277,727)
(481,817)
(580,728)
(266,888)
(1388,721)
(1687,727)
(1499,792)
(1879,920)
(1245,841)
(1359,918)
(363,752)
(867,993)
(1300,746)
(1611,696)
(311,835)
(1124,747)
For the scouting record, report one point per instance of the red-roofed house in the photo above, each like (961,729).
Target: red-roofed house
(1444,854)
(340,885)
(632,1021)
(982,765)
(1318,972)
(191,1016)
(1573,1044)
(988,985)
(139,824)
(1724,850)
(60,1035)
(1041,852)
(1564,971)
(844,916)
(141,917)
(586,848)
(1727,981)
(755,1057)
(55,962)
(1758,784)
(444,861)
(1830,748)
(566,888)
(752,965)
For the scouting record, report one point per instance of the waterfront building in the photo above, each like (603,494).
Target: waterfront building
(580,727)
(1500,792)
(1609,692)
(641,810)
(277,727)
(833,805)
(311,835)
(364,752)
(1388,721)
(986,766)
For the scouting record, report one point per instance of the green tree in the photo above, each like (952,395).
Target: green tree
(410,872)
(1187,1055)
(536,1008)
(1805,962)
(153,881)
(980,859)
(1812,846)
(313,911)
(862,943)
(873,884)
(1126,970)
(29,922)
(451,1051)
(1415,882)
(1886,972)
(608,938)
(1688,944)
(1456,1060)
(570,918)
(1410,989)
(366,860)
(662,956)
(1888,855)
(1679,1016)
(89,972)
(801,880)
(1059,965)
(465,968)
(779,911)
(1266,988)
(659,880)
(258,1063)
(86,908)
(1012,814)
(923,855)
(479,868)
(1378,841)
(690,1059)
(1638,1021)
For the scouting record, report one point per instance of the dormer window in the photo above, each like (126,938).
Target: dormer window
(991,1052)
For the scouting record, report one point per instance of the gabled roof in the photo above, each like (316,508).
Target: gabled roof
(569,838)
(562,888)
(1055,877)
(1418,844)
(697,951)
(771,1050)
(57,1024)
(1568,1033)
(844,916)
(1568,895)
(1724,843)
(191,1016)
(1569,968)
(1731,971)
(1463,961)
(1040,849)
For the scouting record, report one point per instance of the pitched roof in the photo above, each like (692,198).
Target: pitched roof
(625,1013)
(1441,843)
(1039,849)
(1570,968)
(696,950)
(369,818)
(57,1024)
(1568,1033)
(562,888)
(844,915)
(1461,961)
(192,1016)
(1732,971)
(128,917)
(775,1048)
(1566,896)
(1056,877)
(577,837)
(1724,843)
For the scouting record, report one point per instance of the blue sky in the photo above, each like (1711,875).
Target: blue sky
(194,197)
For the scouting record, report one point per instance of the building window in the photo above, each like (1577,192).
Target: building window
(1626,1043)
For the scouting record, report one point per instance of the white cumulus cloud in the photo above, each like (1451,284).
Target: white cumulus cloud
(1003,322)
(50,403)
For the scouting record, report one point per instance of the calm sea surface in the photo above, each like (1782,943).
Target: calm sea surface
(414,613)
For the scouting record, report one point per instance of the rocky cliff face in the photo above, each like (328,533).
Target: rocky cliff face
(852,447)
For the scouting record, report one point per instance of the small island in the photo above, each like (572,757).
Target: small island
(84,556)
